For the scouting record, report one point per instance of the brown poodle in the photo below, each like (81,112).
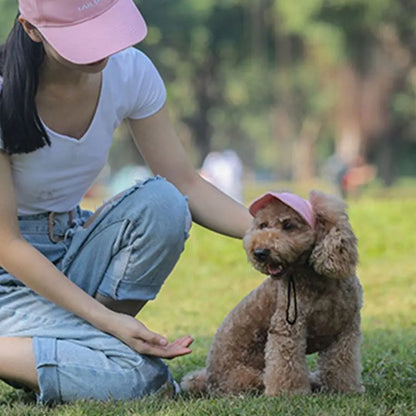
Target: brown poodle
(309,303)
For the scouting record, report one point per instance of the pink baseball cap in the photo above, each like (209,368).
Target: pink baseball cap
(86,31)
(302,206)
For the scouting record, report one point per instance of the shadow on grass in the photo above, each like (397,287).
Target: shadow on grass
(9,395)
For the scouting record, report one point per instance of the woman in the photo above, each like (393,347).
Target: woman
(71,281)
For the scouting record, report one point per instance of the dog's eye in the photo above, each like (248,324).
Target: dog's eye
(263,225)
(288,225)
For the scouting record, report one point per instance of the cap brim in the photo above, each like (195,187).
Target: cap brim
(295,202)
(116,29)
(261,202)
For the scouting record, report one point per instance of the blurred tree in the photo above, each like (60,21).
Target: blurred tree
(196,44)
(287,84)
(358,55)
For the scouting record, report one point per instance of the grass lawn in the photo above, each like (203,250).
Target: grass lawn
(213,275)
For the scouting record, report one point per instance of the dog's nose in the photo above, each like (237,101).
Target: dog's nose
(261,254)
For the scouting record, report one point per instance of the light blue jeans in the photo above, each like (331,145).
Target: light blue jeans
(126,253)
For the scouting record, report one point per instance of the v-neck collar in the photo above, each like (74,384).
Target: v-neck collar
(93,120)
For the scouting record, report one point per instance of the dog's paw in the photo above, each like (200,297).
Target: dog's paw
(315,381)
(195,382)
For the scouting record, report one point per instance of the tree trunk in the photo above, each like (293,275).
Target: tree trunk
(200,124)
(348,119)
(304,155)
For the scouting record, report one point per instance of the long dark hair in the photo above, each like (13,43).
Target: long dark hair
(20,126)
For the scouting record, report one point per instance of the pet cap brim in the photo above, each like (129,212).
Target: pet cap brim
(302,206)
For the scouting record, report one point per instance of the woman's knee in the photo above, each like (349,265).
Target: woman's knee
(168,209)
(160,211)
(133,244)
(151,237)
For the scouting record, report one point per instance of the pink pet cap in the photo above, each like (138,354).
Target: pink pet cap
(302,206)
(86,31)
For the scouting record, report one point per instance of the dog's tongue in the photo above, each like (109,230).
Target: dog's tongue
(275,269)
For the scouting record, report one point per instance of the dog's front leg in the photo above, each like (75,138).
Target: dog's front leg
(340,364)
(286,369)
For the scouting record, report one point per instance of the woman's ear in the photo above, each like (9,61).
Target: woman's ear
(335,252)
(31,30)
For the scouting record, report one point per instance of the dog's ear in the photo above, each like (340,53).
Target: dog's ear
(335,252)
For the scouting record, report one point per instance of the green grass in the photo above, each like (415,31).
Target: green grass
(213,275)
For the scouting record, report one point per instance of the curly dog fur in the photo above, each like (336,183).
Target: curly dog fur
(309,303)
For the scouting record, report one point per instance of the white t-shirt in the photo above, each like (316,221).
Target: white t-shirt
(56,177)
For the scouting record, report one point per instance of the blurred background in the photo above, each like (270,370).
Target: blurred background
(316,91)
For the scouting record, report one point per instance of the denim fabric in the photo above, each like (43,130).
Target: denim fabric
(126,253)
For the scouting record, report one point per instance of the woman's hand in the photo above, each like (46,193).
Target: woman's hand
(133,333)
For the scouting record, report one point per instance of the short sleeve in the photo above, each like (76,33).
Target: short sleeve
(148,92)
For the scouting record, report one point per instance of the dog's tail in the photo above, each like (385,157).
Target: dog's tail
(195,382)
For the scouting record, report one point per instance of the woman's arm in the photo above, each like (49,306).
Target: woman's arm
(38,273)
(165,155)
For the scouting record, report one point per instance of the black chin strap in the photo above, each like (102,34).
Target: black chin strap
(290,286)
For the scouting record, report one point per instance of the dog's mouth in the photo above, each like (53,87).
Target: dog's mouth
(276,270)
(263,258)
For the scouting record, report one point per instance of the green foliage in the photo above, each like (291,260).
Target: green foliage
(248,74)
(213,275)
(296,19)
(234,64)
(8,11)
